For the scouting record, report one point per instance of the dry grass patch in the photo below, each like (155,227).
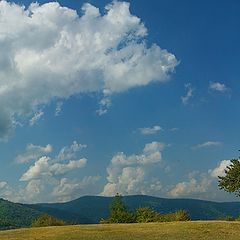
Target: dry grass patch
(204,230)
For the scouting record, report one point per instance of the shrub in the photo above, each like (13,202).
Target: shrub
(168,217)
(181,215)
(229,218)
(45,220)
(123,217)
(146,214)
(119,214)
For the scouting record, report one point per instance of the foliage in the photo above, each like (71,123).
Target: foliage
(146,214)
(181,215)
(231,181)
(119,214)
(229,218)
(13,215)
(45,220)
(90,209)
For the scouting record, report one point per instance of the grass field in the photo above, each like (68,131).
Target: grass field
(175,230)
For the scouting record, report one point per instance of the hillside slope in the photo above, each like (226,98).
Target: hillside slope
(13,215)
(90,209)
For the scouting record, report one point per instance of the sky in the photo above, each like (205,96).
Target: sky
(102,97)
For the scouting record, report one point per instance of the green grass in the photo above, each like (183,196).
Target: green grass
(206,230)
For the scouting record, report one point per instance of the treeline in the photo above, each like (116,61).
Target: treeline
(120,214)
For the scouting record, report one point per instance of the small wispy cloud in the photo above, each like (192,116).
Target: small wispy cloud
(217,86)
(150,130)
(36,117)
(208,144)
(190,90)
(105,102)
(58,109)
(173,129)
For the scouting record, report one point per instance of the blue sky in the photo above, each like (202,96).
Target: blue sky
(139,102)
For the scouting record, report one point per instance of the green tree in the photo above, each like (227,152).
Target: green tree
(230,182)
(118,211)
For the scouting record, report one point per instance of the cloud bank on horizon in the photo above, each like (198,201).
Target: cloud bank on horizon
(49,179)
(49,52)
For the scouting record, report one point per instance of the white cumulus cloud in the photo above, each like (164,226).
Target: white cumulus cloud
(68,189)
(220,169)
(192,186)
(219,87)
(202,185)
(49,52)
(132,174)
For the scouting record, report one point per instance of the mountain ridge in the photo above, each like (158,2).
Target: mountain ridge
(90,209)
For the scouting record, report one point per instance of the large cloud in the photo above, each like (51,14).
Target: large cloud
(47,166)
(133,174)
(203,185)
(51,179)
(49,52)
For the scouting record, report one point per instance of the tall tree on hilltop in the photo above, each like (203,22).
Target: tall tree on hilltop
(118,211)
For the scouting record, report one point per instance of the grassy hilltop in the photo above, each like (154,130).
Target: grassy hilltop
(207,230)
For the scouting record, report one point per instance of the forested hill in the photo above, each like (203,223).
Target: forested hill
(90,209)
(13,215)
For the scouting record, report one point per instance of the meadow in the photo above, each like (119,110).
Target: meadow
(204,230)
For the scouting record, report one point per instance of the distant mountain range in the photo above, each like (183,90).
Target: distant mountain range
(90,209)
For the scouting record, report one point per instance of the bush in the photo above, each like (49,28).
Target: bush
(146,214)
(181,215)
(230,218)
(45,220)
(122,217)
(119,214)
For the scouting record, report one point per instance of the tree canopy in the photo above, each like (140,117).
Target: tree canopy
(118,211)
(120,214)
(230,182)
